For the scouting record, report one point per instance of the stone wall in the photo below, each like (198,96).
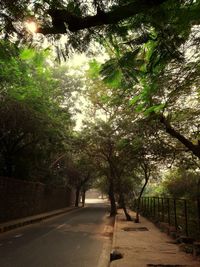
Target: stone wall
(21,199)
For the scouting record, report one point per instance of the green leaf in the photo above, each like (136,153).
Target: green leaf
(155,109)
(94,69)
(105,98)
(140,108)
(115,79)
(27,54)
(111,73)
(134,100)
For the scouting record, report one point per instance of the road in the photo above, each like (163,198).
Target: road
(80,238)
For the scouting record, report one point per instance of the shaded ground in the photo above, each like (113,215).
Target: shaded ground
(146,247)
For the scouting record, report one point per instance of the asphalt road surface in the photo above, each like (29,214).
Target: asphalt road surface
(80,238)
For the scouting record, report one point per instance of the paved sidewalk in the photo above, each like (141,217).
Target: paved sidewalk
(32,219)
(143,248)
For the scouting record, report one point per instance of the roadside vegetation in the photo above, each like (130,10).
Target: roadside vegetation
(140,133)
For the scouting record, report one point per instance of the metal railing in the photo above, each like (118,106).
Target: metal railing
(183,214)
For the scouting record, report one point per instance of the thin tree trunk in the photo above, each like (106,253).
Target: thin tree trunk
(120,202)
(77,196)
(137,219)
(83,198)
(123,205)
(113,207)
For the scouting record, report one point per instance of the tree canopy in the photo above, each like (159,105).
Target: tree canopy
(94,20)
(35,111)
(144,99)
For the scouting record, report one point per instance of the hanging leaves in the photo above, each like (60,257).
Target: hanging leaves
(112,73)
(27,54)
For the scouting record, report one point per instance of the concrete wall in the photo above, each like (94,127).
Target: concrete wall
(20,198)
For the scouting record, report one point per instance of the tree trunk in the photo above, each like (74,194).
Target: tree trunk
(120,201)
(123,205)
(77,196)
(137,219)
(113,207)
(83,198)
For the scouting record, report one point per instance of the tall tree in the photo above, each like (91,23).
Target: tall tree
(35,118)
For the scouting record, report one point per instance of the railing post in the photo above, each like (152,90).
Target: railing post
(144,205)
(158,208)
(162,209)
(147,206)
(154,207)
(151,206)
(175,215)
(141,205)
(198,213)
(186,217)
(168,211)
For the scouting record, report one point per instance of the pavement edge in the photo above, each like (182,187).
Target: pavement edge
(10,225)
(113,246)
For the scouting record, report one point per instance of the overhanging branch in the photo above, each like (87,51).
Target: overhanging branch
(195,149)
(63,19)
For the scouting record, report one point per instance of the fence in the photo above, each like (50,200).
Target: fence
(183,214)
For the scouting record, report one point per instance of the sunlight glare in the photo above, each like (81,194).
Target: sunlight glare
(31,26)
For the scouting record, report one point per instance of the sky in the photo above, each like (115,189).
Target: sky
(79,63)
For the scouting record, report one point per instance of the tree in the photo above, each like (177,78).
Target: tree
(77,166)
(154,75)
(35,118)
(79,16)
(151,76)
(137,33)
(124,143)
(20,128)
(182,183)
(101,148)
(88,20)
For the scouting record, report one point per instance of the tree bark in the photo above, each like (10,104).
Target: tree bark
(195,149)
(123,205)
(77,196)
(137,219)
(146,176)
(113,207)
(62,17)
(83,198)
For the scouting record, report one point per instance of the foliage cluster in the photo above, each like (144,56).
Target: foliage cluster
(179,183)
(144,98)
(35,117)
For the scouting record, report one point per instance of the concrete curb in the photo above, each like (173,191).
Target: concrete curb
(114,232)
(10,225)
(104,259)
(113,246)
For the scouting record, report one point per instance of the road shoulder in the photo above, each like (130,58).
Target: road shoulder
(10,225)
(143,244)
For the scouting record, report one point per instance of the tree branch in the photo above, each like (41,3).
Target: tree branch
(195,149)
(62,17)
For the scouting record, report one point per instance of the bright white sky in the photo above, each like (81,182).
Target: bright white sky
(79,63)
